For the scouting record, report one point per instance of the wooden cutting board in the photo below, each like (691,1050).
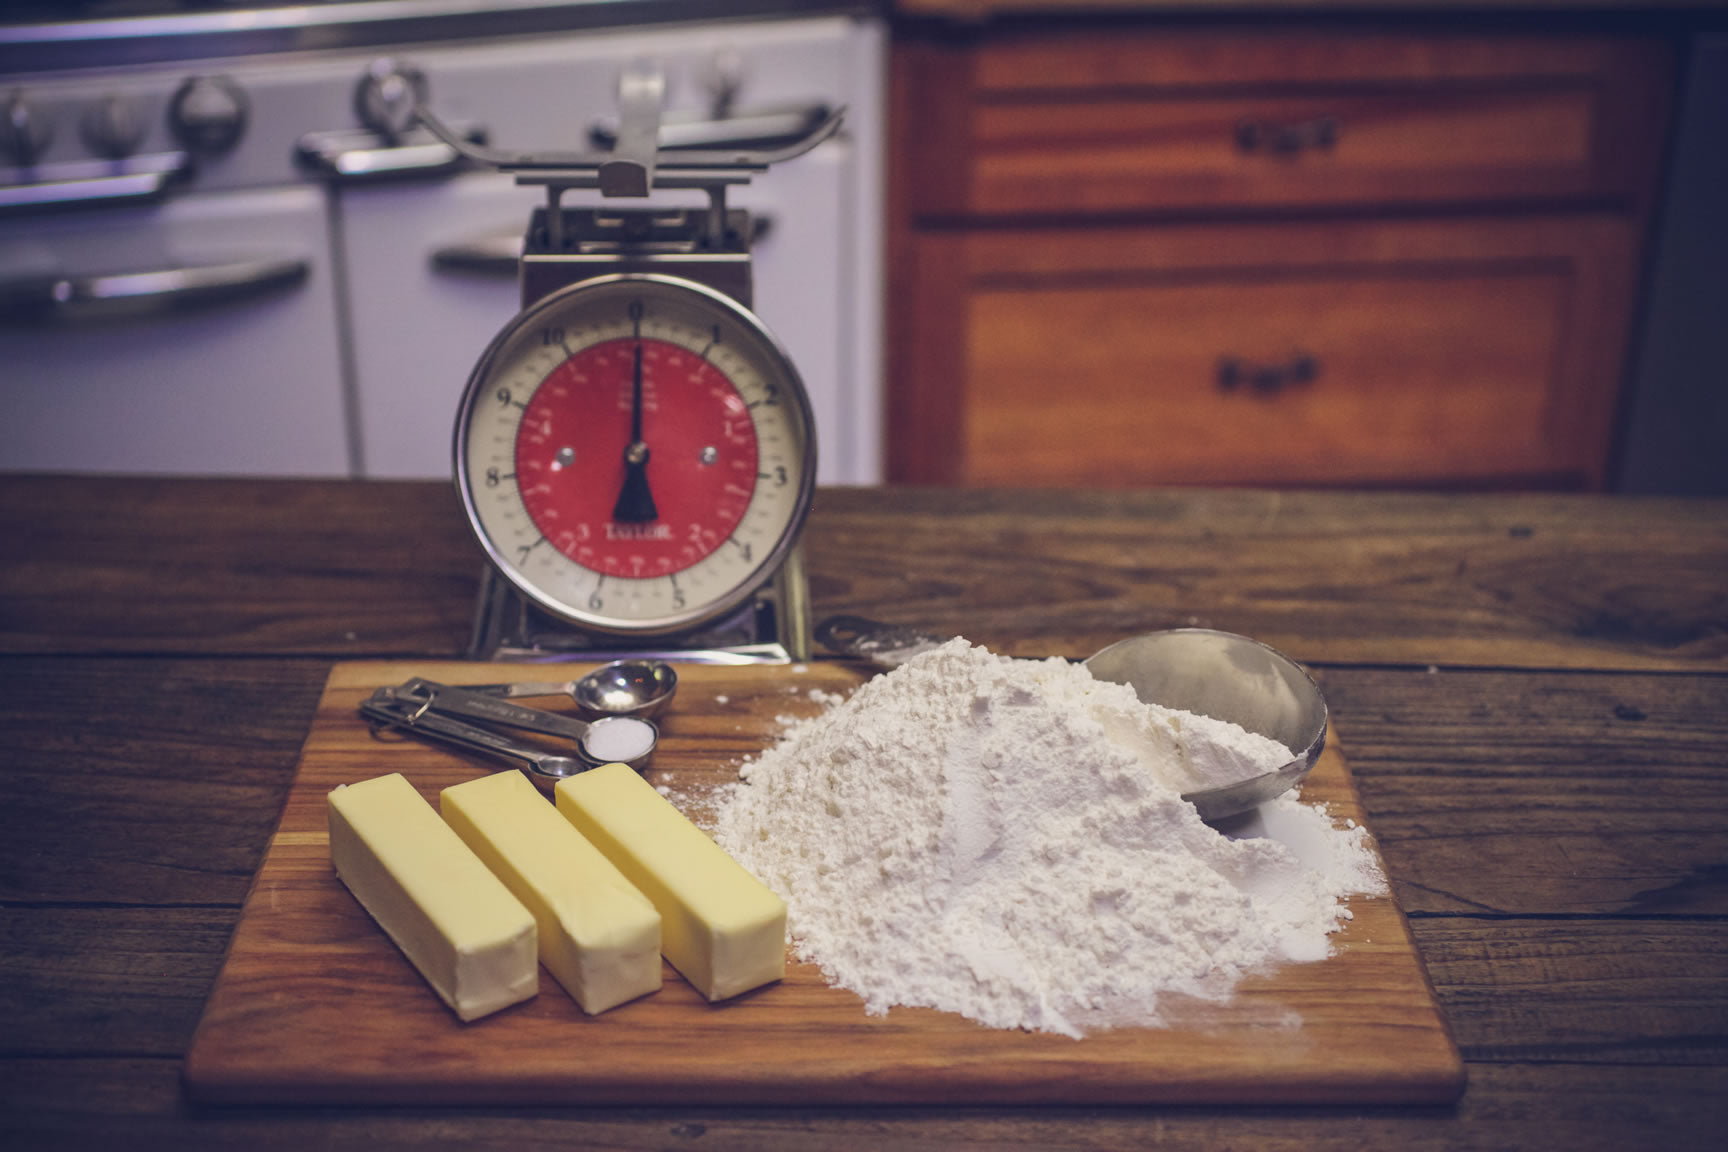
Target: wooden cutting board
(314,1004)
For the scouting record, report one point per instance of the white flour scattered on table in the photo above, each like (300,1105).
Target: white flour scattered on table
(1005,839)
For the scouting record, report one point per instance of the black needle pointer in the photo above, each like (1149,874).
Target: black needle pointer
(635,501)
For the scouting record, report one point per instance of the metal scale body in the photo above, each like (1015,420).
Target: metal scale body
(570,578)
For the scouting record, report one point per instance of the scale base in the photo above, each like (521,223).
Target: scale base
(772,627)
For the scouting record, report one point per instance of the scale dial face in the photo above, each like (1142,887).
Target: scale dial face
(636,453)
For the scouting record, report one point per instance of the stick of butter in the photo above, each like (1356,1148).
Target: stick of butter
(720,927)
(458,924)
(598,935)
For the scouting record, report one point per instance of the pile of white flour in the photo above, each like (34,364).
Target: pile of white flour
(1005,839)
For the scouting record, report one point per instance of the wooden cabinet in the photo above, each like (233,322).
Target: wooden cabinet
(1143,256)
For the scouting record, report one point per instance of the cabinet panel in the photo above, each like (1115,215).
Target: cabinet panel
(1438,352)
(1125,154)
(1434,373)
(1156,121)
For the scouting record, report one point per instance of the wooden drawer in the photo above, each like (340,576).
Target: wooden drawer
(1438,352)
(1160,121)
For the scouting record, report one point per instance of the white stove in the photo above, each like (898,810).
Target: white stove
(239,263)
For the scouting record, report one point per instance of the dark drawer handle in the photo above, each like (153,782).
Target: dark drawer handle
(1235,372)
(1263,136)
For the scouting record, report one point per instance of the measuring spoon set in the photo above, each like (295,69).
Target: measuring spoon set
(621,696)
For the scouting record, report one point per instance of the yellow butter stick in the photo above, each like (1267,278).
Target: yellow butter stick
(720,927)
(598,935)
(456,922)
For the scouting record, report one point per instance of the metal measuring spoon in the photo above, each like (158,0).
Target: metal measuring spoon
(544,768)
(622,688)
(613,738)
(1200,670)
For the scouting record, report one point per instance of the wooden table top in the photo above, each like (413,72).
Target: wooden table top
(1533,690)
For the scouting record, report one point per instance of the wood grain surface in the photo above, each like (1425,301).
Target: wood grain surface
(314,1004)
(168,566)
(1531,691)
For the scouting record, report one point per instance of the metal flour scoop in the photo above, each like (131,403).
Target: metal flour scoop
(1200,670)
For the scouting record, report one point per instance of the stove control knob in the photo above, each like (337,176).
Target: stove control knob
(24,131)
(722,76)
(209,113)
(389,97)
(112,128)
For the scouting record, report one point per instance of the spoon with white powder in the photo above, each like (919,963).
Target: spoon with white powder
(1277,711)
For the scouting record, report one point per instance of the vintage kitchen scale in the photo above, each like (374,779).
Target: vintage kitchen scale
(635,451)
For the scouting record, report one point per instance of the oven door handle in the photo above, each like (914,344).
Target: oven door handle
(132,293)
(139,179)
(499,255)
(769,127)
(346,156)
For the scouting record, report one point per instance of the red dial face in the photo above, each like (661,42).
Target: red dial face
(636,458)
(636,454)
